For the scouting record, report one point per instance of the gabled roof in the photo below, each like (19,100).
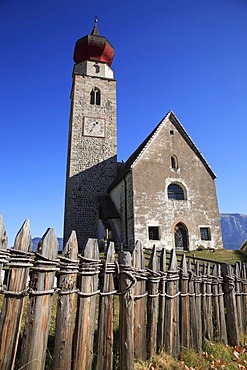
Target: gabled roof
(135,156)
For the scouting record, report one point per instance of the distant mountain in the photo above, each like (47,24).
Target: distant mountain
(35,242)
(234,229)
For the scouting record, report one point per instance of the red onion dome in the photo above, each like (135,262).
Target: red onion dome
(93,47)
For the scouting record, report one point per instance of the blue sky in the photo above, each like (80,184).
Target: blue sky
(186,55)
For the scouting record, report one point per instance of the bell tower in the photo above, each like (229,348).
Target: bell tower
(92,148)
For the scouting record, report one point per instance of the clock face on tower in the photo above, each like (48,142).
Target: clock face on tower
(94,127)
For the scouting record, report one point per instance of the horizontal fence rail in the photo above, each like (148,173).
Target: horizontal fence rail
(160,304)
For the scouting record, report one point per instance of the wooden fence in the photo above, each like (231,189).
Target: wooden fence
(160,305)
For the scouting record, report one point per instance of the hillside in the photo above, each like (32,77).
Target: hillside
(234,229)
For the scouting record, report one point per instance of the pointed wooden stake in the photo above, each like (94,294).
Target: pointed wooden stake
(152,303)
(172,337)
(239,300)
(126,312)
(194,340)
(140,306)
(223,332)
(66,305)
(86,307)
(215,301)
(244,288)
(39,305)
(106,312)
(3,235)
(198,298)
(204,302)
(209,303)
(184,306)
(3,247)
(230,304)
(162,301)
(11,315)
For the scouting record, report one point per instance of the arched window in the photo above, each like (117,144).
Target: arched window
(95,96)
(92,97)
(174,162)
(175,191)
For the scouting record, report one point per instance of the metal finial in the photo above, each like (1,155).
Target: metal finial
(95,30)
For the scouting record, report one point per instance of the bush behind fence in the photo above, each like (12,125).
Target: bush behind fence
(163,304)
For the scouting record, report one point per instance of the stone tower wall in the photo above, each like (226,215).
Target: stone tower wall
(91,163)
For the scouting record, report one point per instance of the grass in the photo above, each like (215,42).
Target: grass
(209,255)
(161,361)
(220,255)
(214,356)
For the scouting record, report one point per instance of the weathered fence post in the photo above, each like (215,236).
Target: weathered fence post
(89,269)
(11,315)
(152,303)
(126,311)
(172,338)
(238,295)
(205,314)
(3,247)
(209,304)
(66,305)
(3,235)
(36,330)
(198,301)
(140,308)
(194,340)
(106,311)
(184,305)
(162,302)
(218,306)
(204,302)
(230,304)
(244,288)
(216,312)
(223,332)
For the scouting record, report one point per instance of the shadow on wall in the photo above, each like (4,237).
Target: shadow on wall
(81,205)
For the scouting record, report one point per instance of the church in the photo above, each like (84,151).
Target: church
(164,194)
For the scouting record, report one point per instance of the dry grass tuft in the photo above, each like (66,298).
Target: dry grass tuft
(159,362)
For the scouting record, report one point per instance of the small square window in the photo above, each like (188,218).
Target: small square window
(153,233)
(171,132)
(205,233)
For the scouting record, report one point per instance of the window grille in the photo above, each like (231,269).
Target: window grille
(153,233)
(175,192)
(205,233)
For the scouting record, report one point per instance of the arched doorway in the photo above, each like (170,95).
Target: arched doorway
(181,237)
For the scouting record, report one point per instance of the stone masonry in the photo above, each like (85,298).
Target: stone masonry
(91,163)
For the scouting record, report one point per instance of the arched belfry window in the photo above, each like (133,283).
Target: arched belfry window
(175,191)
(97,68)
(174,162)
(95,96)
